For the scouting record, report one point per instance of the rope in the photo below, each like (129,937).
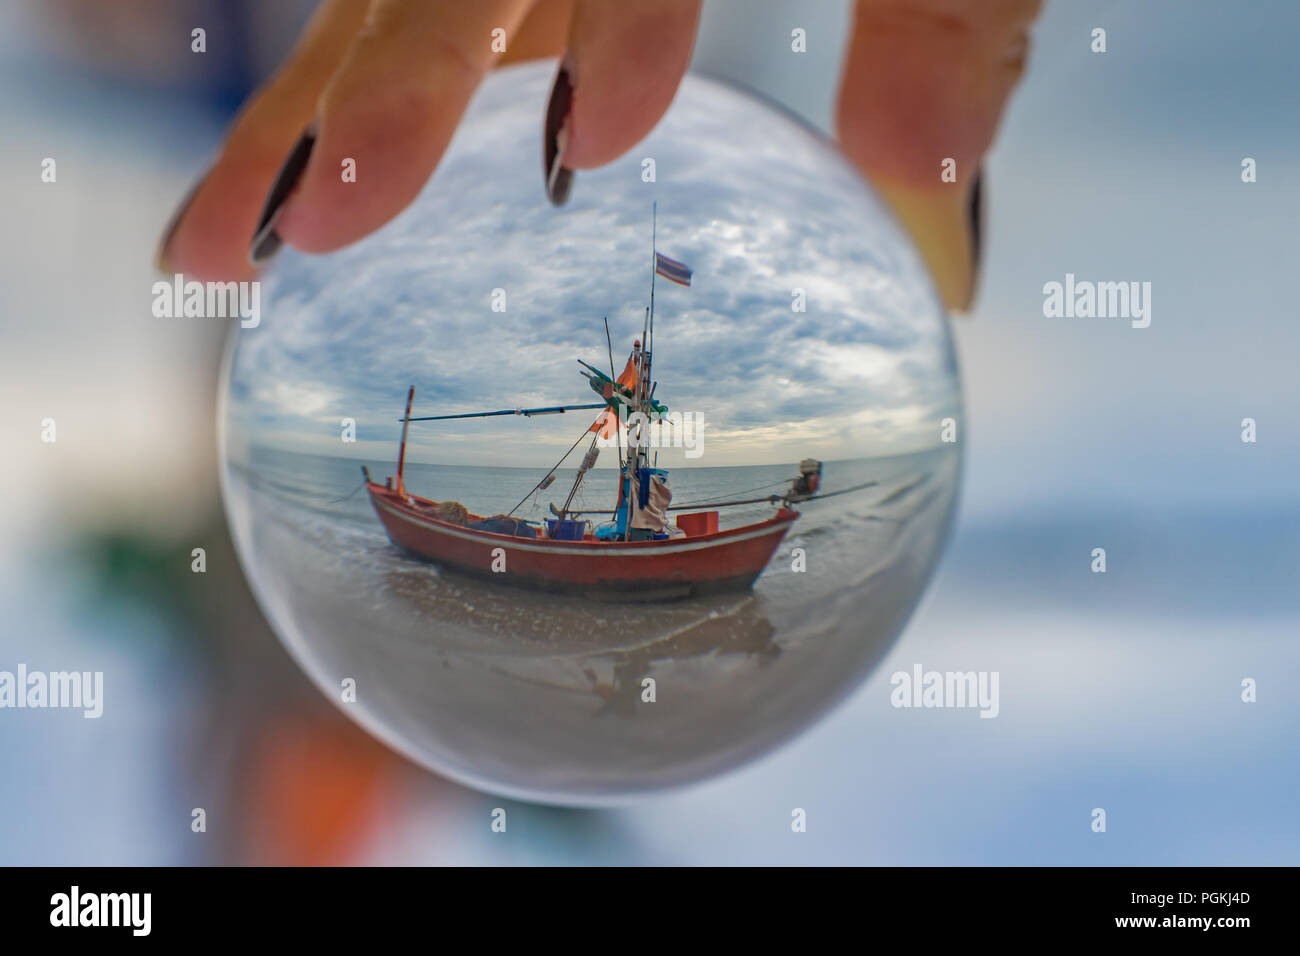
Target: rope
(538,487)
(334,501)
(746,491)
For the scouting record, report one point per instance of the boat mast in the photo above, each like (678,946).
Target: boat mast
(613,377)
(401,454)
(636,454)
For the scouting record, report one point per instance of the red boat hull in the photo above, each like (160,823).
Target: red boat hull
(727,560)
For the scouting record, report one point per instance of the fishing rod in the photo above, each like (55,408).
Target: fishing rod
(526,412)
(770,484)
(773,499)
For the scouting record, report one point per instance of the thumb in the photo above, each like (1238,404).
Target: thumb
(924,87)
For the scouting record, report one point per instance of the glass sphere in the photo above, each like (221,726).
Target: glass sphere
(734,562)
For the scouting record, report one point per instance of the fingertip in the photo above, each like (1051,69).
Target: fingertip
(555,136)
(162,262)
(204,240)
(625,64)
(923,91)
(945,224)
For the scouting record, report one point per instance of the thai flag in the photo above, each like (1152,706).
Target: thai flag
(672,270)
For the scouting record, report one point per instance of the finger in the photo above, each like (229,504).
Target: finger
(389,113)
(618,77)
(927,81)
(208,234)
(542,34)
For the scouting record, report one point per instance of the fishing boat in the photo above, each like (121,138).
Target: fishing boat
(634,555)
(653,570)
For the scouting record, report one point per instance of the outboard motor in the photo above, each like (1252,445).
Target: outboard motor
(809,480)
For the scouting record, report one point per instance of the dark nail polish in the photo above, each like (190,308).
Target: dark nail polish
(976,217)
(559,179)
(266,241)
(160,262)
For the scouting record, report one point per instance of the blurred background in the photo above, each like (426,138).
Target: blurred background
(1119,690)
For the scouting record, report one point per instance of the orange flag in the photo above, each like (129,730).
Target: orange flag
(607,423)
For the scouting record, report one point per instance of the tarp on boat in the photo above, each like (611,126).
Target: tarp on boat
(652,499)
(504,524)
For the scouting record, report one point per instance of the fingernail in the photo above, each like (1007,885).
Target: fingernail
(160,261)
(558,178)
(266,241)
(975,218)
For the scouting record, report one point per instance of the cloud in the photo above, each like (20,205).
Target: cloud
(756,204)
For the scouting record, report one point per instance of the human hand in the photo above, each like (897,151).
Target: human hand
(385,82)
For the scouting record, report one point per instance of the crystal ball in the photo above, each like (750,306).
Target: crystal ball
(619,551)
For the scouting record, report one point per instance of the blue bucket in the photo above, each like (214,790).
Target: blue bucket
(567,530)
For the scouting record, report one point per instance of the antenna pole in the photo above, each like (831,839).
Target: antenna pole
(609,343)
(647,340)
(654,225)
(648,329)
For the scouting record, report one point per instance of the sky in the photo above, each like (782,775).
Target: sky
(751,200)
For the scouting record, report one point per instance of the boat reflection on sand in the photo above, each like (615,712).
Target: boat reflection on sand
(554,648)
